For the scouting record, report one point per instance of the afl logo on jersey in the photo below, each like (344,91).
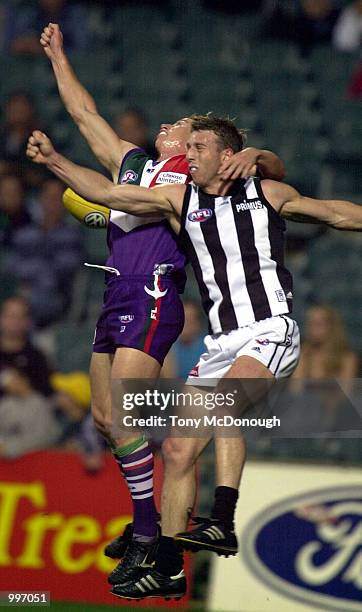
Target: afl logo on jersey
(129,177)
(95,219)
(198,216)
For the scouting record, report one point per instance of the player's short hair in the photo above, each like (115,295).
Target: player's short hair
(224,128)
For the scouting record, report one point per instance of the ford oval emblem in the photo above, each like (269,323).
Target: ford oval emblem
(309,548)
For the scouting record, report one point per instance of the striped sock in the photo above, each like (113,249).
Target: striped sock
(137,469)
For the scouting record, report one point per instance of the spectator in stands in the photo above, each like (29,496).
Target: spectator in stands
(13,208)
(326,355)
(311,25)
(22,27)
(131,125)
(347,34)
(16,348)
(46,256)
(73,400)
(186,351)
(326,352)
(316,22)
(19,122)
(27,421)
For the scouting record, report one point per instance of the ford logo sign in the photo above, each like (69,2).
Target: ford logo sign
(203,214)
(309,548)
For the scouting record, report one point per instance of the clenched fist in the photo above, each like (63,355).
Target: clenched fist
(40,148)
(52,40)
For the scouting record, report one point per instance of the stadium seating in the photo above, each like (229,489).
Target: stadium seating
(188,61)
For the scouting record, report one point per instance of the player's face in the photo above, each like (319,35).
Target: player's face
(204,155)
(172,137)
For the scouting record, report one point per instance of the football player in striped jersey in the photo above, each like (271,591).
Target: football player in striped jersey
(142,313)
(236,230)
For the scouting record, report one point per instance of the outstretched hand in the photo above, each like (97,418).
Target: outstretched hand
(52,40)
(40,148)
(240,165)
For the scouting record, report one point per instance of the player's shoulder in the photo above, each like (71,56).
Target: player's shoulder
(135,153)
(132,165)
(276,190)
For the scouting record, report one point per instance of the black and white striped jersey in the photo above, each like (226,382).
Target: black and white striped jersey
(235,244)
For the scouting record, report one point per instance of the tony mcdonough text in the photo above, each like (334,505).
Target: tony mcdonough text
(205,421)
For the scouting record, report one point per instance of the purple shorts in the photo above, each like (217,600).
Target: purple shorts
(142,313)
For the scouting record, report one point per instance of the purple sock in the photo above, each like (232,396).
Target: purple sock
(137,469)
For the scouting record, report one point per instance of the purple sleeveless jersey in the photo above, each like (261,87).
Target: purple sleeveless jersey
(139,245)
(142,308)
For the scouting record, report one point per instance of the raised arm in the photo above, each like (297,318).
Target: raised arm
(165,201)
(252,161)
(290,204)
(102,139)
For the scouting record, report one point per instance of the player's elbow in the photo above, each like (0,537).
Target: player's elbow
(80,113)
(77,113)
(113,197)
(341,222)
(282,173)
(278,173)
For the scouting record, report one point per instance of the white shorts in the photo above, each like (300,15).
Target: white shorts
(274,342)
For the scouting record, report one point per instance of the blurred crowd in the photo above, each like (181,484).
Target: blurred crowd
(313,22)
(310,22)
(41,408)
(307,22)
(42,249)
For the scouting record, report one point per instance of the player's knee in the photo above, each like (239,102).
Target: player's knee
(102,421)
(177,455)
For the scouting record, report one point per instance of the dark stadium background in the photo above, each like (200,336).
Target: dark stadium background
(284,77)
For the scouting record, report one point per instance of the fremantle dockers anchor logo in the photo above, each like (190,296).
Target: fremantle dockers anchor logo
(95,220)
(155,292)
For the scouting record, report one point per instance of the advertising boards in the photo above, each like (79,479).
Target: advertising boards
(300,534)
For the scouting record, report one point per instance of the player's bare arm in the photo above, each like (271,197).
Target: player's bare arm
(251,161)
(291,205)
(163,201)
(102,139)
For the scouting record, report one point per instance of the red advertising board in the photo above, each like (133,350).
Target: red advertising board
(55,520)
